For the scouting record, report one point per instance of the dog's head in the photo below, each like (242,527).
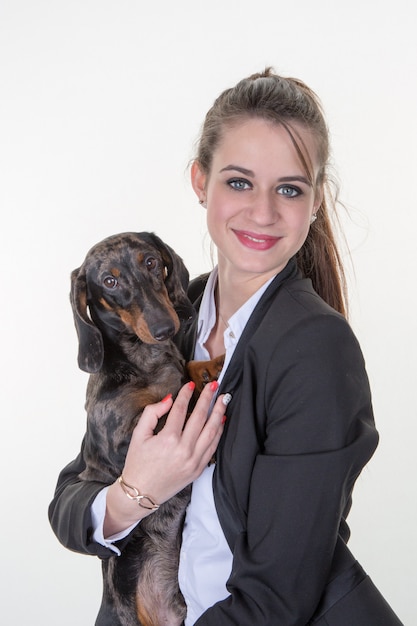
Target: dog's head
(131,283)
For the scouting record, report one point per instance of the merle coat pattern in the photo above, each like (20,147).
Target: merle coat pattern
(129,301)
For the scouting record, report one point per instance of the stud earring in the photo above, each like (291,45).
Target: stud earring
(203,203)
(313,218)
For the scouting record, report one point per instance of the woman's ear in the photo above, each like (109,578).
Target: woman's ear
(198,181)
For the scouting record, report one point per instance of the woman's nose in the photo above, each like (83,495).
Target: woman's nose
(264,209)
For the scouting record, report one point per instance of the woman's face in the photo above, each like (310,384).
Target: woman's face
(259,200)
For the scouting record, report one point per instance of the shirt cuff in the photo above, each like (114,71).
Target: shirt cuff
(98,513)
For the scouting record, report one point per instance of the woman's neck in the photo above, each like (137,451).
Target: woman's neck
(233,290)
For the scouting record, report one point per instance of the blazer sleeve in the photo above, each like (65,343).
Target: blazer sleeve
(309,397)
(70,510)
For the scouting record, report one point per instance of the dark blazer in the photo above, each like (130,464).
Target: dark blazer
(299,430)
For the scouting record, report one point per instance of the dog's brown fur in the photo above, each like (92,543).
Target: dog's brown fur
(129,300)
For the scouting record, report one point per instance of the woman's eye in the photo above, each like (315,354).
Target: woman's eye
(239,184)
(150,263)
(289,191)
(110,282)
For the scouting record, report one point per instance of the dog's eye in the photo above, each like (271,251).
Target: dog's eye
(110,282)
(150,262)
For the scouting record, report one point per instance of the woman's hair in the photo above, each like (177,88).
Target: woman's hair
(287,101)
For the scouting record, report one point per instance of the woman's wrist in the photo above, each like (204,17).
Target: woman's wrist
(121,510)
(144,500)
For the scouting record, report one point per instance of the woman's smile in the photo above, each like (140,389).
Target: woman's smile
(255,241)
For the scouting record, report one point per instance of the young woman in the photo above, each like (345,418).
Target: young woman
(264,540)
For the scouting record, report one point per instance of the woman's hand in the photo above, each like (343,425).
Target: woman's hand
(162,465)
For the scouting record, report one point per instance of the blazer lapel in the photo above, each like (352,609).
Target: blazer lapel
(234,371)
(230,522)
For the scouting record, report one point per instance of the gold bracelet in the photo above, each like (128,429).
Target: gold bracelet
(133,494)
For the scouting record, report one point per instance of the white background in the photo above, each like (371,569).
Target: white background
(101,102)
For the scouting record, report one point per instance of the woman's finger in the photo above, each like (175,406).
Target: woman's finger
(151,415)
(208,438)
(178,414)
(200,414)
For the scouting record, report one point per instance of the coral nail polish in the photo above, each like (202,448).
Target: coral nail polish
(167,397)
(191,385)
(214,385)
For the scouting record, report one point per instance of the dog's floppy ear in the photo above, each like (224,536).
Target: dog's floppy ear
(90,341)
(176,281)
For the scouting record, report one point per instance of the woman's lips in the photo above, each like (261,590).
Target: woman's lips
(255,241)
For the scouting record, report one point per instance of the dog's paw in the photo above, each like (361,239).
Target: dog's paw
(203,372)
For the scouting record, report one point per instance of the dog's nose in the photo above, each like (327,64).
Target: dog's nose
(162,332)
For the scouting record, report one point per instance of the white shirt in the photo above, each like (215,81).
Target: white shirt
(205,557)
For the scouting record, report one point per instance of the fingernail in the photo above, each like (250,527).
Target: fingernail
(168,397)
(224,418)
(226,398)
(214,385)
(191,385)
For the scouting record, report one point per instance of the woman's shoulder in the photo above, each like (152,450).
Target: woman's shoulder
(298,315)
(296,301)
(301,295)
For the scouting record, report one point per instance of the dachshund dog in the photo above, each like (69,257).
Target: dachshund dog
(129,300)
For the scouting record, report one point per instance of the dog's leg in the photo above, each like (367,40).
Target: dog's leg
(159,600)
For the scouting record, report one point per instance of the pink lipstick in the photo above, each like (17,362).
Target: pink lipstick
(256,241)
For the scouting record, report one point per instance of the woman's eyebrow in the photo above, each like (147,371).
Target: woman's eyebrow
(238,168)
(293,179)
